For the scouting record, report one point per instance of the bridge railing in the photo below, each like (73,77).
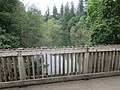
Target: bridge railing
(22,64)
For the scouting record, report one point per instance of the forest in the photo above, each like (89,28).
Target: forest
(93,22)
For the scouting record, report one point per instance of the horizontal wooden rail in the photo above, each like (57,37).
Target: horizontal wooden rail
(55,51)
(58,79)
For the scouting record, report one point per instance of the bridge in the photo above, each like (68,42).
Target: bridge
(49,66)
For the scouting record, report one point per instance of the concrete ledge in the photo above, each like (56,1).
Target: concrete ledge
(58,79)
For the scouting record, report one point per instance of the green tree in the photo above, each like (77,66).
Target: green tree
(52,33)
(79,33)
(55,13)
(47,14)
(7,10)
(61,10)
(6,40)
(32,36)
(72,10)
(80,8)
(103,18)
(64,22)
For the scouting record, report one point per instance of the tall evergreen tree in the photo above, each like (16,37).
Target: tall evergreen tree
(47,14)
(55,13)
(67,14)
(72,10)
(80,8)
(65,19)
(61,10)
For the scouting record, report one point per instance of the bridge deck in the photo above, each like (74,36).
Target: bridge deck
(109,83)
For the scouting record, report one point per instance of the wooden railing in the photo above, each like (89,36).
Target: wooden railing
(22,64)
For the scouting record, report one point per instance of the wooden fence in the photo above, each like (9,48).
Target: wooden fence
(22,64)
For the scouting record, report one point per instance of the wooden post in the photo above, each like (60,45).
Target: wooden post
(98,61)
(63,64)
(79,62)
(46,66)
(102,61)
(15,68)
(55,68)
(113,60)
(4,69)
(95,60)
(90,62)
(71,63)
(38,66)
(106,62)
(85,65)
(29,72)
(42,66)
(0,70)
(74,64)
(68,57)
(110,59)
(33,67)
(9,68)
(76,58)
(51,64)
(60,64)
(116,61)
(21,66)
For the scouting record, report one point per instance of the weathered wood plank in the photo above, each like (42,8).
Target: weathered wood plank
(95,60)
(110,59)
(102,62)
(29,71)
(85,63)
(55,67)
(73,55)
(79,62)
(51,64)
(79,69)
(116,61)
(46,65)
(33,66)
(4,68)
(68,58)
(21,65)
(60,64)
(71,63)
(38,66)
(63,64)
(82,62)
(15,68)
(59,79)
(76,66)
(42,66)
(10,68)
(57,51)
(106,62)
(90,62)
(99,62)
(113,59)
(1,73)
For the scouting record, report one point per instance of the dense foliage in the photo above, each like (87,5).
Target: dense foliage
(96,22)
(104,21)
